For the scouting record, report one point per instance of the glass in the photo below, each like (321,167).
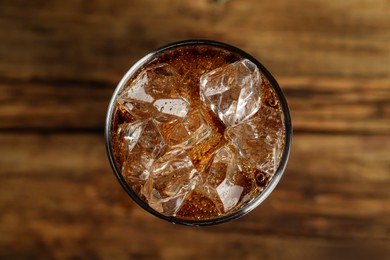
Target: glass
(287,137)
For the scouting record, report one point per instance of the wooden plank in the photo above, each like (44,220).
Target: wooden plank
(338,105)
(59,199)
(316,104)
(99,41)
(61,60)
(54,105)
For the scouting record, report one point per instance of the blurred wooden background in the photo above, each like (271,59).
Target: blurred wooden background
(60,62)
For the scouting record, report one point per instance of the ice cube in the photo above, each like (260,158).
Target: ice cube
(271,118)
(155,93)
(172,177)
(229,193)
(233,91)
(190,131)
(225,176)
(258,141)
(143,143)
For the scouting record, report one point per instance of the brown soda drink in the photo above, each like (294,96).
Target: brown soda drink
(198,133)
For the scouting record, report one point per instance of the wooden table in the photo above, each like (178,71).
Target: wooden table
(60,62)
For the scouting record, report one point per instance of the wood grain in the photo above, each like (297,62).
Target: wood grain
(60,62)
(69,202)
(99,40)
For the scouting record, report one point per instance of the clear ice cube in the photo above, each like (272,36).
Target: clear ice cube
(271,118)
(190,131)
(143,144)
(155,93)
(259,140)
(172,177)
(229,193)
(232,91)
(224,178)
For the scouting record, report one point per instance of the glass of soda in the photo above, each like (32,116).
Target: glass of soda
(198,132)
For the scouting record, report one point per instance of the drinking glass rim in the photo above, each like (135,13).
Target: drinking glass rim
(267,189)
